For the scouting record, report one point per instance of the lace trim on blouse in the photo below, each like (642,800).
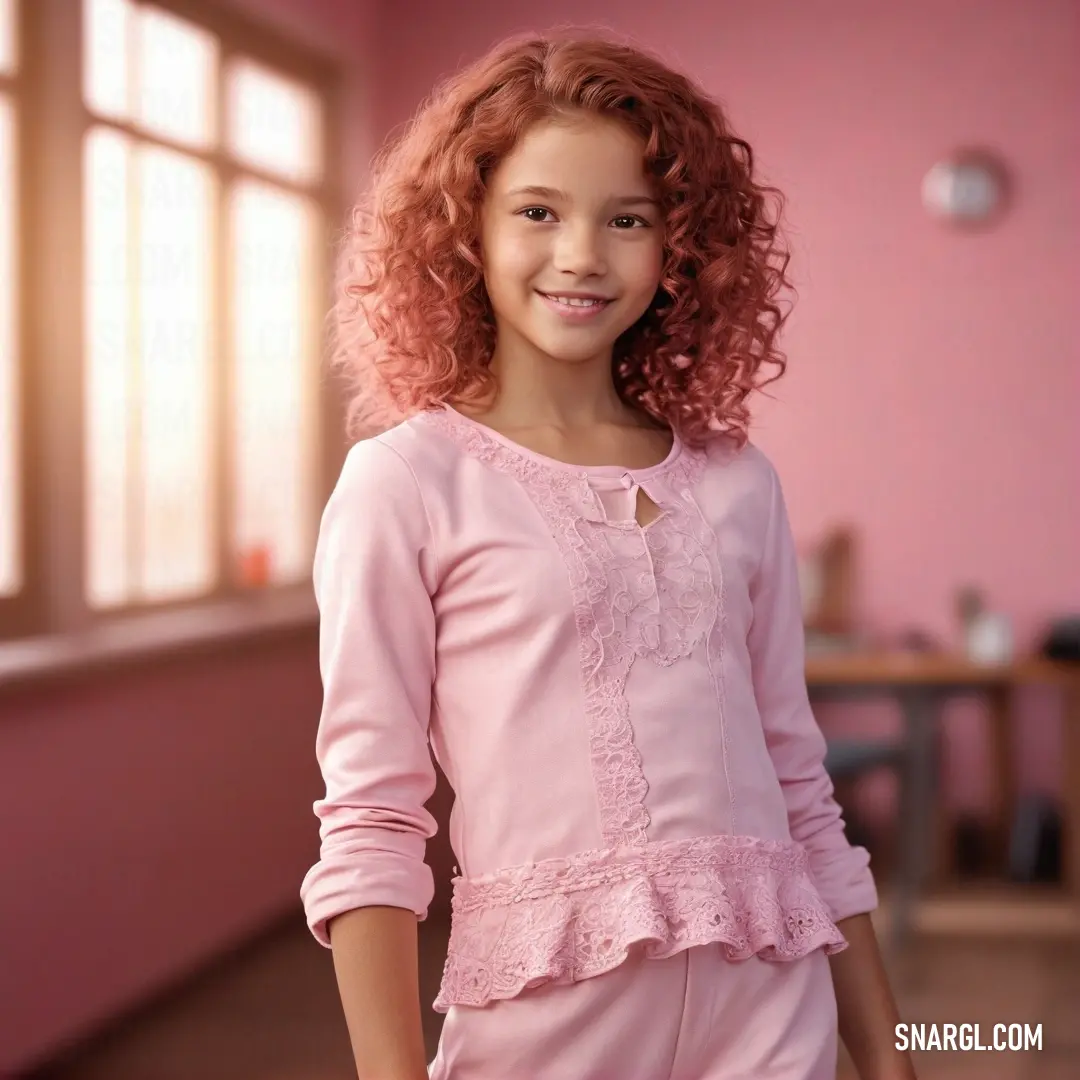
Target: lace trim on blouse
(564,920)
(640,593)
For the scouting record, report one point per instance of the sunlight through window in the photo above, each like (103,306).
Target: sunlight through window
(106,57)
(274,123)
(108,378)
(176,64)
(202,381)
(150,401)
(275,377)
(175,403)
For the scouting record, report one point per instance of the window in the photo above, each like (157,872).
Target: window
(204,204)
(203,235)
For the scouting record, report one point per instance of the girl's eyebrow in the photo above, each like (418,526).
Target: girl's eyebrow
(554,193)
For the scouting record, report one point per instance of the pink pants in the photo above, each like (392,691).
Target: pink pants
(692,1016)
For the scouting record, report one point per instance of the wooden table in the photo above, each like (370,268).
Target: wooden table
(921,683)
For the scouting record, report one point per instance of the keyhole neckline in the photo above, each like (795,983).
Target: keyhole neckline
(637,476)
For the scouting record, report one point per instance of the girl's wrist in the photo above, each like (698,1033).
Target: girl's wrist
(899,1067)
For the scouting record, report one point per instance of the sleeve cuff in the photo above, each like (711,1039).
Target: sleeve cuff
(845,883)
(336,885)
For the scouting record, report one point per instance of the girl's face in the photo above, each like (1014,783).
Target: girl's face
(571,238)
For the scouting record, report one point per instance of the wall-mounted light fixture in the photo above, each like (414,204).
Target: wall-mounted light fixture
(968,188)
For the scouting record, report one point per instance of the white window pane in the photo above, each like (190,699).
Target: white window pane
(108,368)
(175,403)
(274,123)
(176,62)
(275,380)
(10,486)
(149,405)
(106,57)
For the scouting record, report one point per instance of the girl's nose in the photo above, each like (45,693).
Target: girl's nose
(579,251)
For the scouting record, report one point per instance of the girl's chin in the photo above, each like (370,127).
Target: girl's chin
(577,352)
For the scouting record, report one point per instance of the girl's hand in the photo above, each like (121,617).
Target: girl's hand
(865,1005)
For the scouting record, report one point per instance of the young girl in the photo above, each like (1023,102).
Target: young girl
(562,566)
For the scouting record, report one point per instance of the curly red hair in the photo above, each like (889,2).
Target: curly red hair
(412,324)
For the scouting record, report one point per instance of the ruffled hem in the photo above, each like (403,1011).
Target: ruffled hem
(565,920)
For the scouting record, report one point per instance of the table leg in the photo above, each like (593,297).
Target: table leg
(999,701)
(1070,735)
(918,802)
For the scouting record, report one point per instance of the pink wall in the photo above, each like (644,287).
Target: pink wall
(151,820)
(932,401)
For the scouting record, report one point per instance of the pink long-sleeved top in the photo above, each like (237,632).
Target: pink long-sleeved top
(620,710)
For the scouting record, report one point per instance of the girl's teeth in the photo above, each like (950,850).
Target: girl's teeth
(576,302)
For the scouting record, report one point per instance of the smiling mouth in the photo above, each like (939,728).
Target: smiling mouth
(582,302)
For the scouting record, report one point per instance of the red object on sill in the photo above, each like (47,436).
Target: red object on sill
(255,567)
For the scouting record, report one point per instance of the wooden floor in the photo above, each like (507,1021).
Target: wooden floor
(271,1013)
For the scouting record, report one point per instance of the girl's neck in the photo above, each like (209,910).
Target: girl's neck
(537,392)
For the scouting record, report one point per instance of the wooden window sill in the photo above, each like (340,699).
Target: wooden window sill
(158,636)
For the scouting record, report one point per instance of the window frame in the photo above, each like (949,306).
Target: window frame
(53,602)
(18,611)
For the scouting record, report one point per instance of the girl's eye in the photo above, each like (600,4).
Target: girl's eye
(542,217)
